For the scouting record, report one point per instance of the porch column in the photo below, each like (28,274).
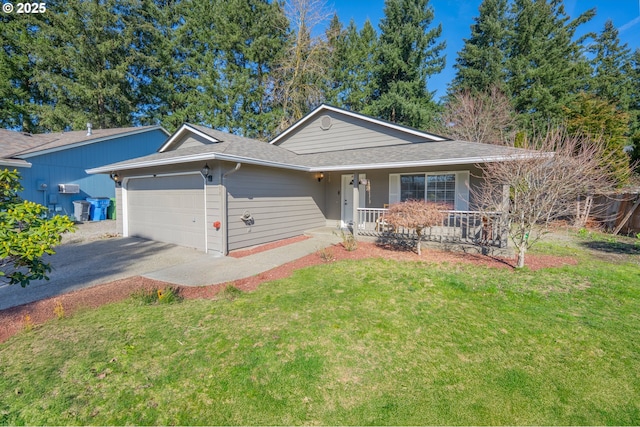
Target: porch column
(356,202)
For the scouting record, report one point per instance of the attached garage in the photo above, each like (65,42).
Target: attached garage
(168,208)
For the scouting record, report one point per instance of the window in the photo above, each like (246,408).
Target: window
(441,189)
(411,187)
(451,188)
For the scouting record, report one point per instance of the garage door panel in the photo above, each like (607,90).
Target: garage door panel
(167,209)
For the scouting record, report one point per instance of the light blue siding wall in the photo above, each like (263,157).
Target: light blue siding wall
(68,167)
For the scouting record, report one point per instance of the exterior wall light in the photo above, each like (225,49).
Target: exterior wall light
(320,176)
(205,170)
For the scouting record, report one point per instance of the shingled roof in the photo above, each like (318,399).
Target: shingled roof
(234,148)
(17,147)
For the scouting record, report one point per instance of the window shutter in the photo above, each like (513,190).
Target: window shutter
(462,191)
(394,188)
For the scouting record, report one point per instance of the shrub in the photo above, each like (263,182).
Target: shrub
(416,215)
(167,295)
(349,242)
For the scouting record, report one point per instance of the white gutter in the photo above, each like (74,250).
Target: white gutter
(420,163)
(195,158)
(15,163)
(365,166)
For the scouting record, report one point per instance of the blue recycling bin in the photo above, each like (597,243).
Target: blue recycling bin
(99,207)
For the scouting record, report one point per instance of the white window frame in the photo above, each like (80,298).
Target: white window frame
(461,201)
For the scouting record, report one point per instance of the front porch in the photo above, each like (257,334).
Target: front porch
(458,227)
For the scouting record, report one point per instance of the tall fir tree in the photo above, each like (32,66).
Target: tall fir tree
(247,51)
(350,73)
(480,65)
(611,80)
(634,109)
(85,64)
(19,94)
(408,53)
(170,94)
(546,67)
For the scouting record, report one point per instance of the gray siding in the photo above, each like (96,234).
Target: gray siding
(192,141)
(345,133)
(282,203)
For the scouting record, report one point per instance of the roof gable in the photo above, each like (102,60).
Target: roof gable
(187,136)
(329,129)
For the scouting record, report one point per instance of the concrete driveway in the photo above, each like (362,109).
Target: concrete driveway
(87,263)
(95,255)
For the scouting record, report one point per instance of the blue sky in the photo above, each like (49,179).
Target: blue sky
(456,17)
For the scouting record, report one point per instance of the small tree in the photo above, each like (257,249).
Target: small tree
(416,215)
(26,234)
(486,117)
(544,185)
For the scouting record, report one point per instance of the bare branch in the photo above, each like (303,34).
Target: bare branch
(544,184)
(486,117)
(297,76)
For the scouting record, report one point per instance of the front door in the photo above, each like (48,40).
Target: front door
(346,192)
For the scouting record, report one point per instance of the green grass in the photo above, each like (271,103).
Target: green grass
(360,342)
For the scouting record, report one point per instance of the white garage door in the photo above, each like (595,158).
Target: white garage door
(167,209)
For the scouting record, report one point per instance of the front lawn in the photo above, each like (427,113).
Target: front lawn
(353,342)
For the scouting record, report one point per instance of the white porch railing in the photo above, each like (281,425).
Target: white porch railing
(481,228)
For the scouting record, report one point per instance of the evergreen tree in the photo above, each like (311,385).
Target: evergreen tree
(85,64)
(408,53)
(634,108)
(350,72)
(546,67)
(611,61)
(19,94)
(597,121)
(480,64)
(247,50)
(169,95)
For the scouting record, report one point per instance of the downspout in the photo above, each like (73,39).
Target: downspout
(223,209)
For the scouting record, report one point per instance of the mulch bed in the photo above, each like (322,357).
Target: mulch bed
(12,320)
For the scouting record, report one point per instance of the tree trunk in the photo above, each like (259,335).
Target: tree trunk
(521,252)
(418,248)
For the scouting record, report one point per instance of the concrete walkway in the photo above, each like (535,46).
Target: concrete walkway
(204,271)
(92,256)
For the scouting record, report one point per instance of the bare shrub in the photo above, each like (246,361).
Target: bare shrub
(416,215)
(543,184)
(486,117)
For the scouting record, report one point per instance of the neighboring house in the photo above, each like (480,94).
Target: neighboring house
(218,192)
(47,161)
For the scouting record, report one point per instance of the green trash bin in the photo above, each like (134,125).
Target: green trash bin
(111,209)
